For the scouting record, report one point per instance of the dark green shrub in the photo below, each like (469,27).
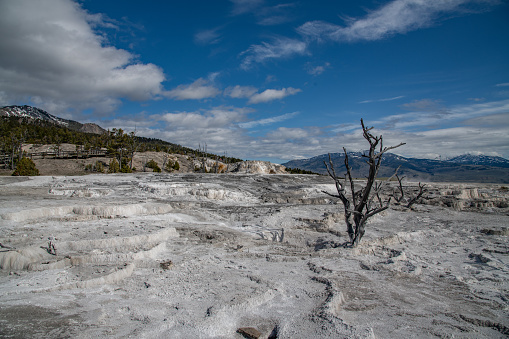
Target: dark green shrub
(155,167)
(25,167)
(99,167)
(125,169)
(114,167)
(172,166)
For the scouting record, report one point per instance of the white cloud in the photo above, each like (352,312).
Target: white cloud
(475,128)
(279,48)
(265,15)
(274,15)
(285,133)
(423,105)
(395,17)
(317,70)
(196,120)
(216,127)
(381,100)
(207,37)
(505,84)
(50,54)
(273,94)
(449,142)
(238,92)
(268,121)
(430,114)
(245,6)
(200,89)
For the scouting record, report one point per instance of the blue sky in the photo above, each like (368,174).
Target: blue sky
(269,80)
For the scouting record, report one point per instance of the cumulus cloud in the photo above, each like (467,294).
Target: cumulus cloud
(51,55)
(200,89)
(216,118)
(238,92)
(395,17)
(467,128)
(285,133)
(217,127)
(272,94)
(251,93)
(278,48)
(447,132)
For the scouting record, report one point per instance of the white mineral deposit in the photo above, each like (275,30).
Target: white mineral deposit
(243,255)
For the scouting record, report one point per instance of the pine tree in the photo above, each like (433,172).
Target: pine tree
(114,167)
(25,167)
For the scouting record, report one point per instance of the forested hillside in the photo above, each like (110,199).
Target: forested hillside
(15,132)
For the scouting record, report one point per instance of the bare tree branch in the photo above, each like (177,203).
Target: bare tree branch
(414,199)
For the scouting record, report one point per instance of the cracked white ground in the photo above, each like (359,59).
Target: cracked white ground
(202,255)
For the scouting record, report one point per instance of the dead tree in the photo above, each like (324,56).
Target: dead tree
(203,152)
(132,143)
(400,187)
(366,202)
(401,199)
(414,199)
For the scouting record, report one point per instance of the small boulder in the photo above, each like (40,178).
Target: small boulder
(249,332)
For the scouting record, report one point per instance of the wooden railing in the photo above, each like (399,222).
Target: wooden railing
(60,154)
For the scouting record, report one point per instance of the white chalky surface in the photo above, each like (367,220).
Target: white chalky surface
(260,251)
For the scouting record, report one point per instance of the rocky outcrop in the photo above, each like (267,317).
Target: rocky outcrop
(256,167)
(92,128)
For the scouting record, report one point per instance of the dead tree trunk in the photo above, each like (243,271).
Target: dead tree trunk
(361,205)
(400,187)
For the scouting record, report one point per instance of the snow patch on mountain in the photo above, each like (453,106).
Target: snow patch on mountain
(30,112)
(486,160)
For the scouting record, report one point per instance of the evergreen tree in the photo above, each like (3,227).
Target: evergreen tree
(25,167)
(114,167)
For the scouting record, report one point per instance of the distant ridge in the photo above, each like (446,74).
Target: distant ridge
(464,168)
(34,113)
(485,160)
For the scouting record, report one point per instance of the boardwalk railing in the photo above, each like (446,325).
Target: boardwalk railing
(67,154)
(59,154)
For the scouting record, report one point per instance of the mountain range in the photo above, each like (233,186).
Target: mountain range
(34,113)
(464,168)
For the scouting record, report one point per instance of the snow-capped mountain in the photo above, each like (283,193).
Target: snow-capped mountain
(30,112)
(469,159)
(467,168)
(35,113)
